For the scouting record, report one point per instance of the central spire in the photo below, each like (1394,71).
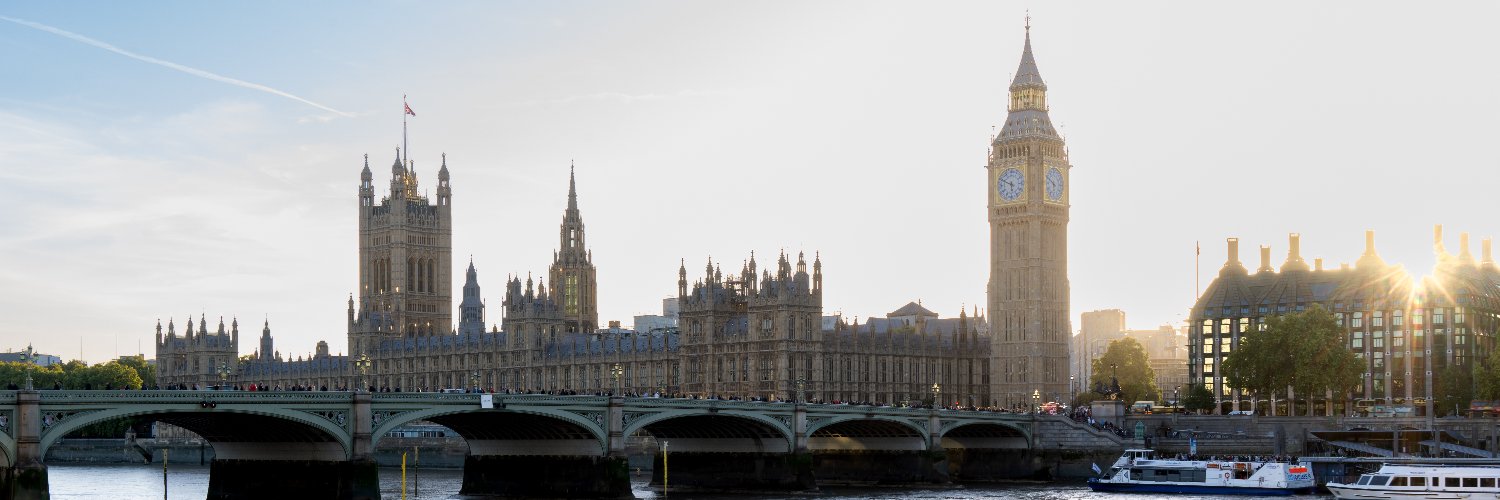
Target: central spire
(572,191)
(1027,75)
(1028,99)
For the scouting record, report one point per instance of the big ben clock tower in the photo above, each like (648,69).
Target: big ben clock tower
(1028,212)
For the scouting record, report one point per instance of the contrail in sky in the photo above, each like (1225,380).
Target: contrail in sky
(191,71)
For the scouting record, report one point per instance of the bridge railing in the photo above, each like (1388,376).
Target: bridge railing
(83,397)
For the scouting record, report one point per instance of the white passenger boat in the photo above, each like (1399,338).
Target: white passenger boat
(1138,471)
(1435,482)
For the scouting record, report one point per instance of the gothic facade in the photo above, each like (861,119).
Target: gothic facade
(1028,293)
(197,357)
(756,333)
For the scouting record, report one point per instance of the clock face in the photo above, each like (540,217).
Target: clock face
(1054,184)
(1010,184)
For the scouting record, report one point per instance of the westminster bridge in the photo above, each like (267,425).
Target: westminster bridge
(321,443)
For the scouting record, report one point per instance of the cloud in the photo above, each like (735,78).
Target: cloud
(171,65)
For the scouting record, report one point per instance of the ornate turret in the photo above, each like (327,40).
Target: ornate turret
(444,191)
(471,310)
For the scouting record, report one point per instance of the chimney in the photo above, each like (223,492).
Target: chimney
(1294,260)
(1484,252)
(1370,259)
(1463,248)
(1232,265)
(1437,239)
(1318,264)
(1265,260)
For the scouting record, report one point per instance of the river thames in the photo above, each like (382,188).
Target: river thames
(77,481)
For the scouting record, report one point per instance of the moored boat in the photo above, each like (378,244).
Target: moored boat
(1139,471)
(1425,481)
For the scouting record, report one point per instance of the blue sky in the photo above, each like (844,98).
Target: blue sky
(132,191)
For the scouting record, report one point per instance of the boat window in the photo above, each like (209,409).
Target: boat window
(1486,482)
(1418,481)
(1471,482)
(1380,480)
(1453,482)
(1364,480)
(1398,481)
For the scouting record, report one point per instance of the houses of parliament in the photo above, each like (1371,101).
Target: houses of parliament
(755,332)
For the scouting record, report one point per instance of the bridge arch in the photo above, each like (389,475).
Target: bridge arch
(866,433)
(236,431)
(7,450)
(723,431)
(813,428)
(507,431)
(987,435)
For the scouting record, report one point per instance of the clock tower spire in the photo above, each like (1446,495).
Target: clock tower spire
(1030,322)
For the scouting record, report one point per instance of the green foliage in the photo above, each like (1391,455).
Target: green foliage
(1126,360)
(1305,350)
(146,371)
(1454,390)
(1487,377)
(1198,398)
(72,375)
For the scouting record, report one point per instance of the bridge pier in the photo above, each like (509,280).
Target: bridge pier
(232,479)
(736,472)
(26,478)
(546,476)
(881,467)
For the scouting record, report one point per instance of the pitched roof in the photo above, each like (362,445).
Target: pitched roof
(911,309)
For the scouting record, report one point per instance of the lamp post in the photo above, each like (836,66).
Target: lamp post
(1036,400)
(797,398)
(224,372)
(474,380)
(937,395)
(617,372)
(1072,389)
(1175,400)
(28,356)
(363,364)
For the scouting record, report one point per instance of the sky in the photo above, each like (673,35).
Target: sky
(176,159)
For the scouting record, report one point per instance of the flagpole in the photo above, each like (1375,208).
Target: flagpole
(404,107)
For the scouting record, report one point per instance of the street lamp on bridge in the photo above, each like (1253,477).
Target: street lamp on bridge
(937,395)
(224,372)
(363,365)
(1036,400)
(28,356)
(617,372)
(798,397)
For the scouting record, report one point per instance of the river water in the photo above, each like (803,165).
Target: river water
(78,481)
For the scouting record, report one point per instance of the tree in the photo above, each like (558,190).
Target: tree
(1198,398)
(147,372)
(1125,361)
(1487,377)
(1306,351)
(1455,388)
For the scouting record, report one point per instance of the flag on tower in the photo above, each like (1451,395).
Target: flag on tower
(408,109)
